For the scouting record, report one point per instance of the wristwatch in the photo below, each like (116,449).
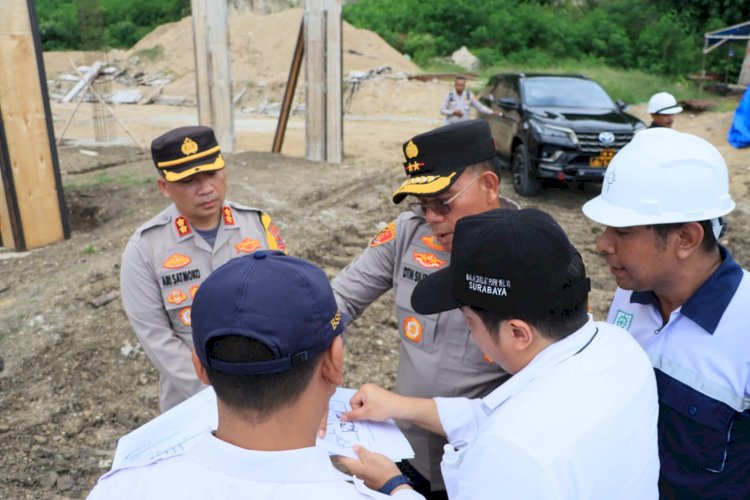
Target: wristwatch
(394,483)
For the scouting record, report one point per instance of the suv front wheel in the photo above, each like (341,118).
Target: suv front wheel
(524,181)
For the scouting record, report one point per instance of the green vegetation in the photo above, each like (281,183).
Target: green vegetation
(630,85)
(662,37)
(97,24)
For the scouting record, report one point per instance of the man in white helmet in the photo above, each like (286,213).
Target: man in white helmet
(686,301)
(663,106)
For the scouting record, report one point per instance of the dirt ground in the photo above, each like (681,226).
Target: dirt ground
(75,378)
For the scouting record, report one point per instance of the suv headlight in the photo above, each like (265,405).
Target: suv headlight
(553,131)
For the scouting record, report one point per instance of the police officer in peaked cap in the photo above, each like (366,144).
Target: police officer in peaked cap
(168,257)
(450,173)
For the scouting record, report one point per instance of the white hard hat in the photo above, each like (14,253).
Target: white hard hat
(663,103)
(662,177)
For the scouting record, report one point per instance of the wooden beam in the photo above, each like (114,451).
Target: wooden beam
(32,189)
(213,67)
(745,71)
(291,86)
(202,86)
(334,115)
(84,82)
(315,73)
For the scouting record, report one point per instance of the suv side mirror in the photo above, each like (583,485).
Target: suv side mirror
(621,105)
(508,102)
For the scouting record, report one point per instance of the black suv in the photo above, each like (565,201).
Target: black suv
(562,127)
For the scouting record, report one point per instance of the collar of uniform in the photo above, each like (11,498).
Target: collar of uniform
(554,353)
(707,305)
(303,465)
(175,214)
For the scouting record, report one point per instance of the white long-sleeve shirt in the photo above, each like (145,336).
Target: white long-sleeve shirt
(579,422)
(216,469)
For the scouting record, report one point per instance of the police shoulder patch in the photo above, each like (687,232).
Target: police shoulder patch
(385,235)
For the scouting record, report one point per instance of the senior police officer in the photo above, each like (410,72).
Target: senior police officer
(450,172)
(685,300)
(169,256)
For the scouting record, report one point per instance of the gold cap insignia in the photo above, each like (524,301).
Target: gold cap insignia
(411,150)
(189,147)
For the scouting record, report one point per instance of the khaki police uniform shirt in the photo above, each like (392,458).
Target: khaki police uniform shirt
(437,357)
(163,265)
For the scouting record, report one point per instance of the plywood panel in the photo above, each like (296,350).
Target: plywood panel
(25,124)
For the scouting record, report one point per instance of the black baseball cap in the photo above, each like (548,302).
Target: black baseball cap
(185,151)
(436,159)
(506,261)
(283,302)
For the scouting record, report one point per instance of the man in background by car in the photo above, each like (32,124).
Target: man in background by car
(458,103)
(663,106)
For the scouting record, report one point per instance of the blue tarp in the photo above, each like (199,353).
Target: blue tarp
(739,133)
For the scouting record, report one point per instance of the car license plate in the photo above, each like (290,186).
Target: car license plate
(602,161)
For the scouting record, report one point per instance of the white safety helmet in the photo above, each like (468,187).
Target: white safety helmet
(663,103)
(663,177)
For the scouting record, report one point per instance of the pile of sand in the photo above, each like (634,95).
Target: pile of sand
(262,48)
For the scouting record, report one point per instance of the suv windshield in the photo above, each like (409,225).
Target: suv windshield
(560,92)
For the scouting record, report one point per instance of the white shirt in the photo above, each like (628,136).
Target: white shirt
(216,469)
(578,422)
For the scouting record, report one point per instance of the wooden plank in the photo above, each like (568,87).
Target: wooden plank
(291,86)
(213,69)
(334,121)
(11,235)
(24,118)
(202,84)
(745,71)
(220,80)
(315,115)
(84,82)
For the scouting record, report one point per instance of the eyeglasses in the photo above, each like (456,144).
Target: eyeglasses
(440,207)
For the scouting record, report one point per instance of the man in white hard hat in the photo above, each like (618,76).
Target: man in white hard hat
(685,300)
(663,106)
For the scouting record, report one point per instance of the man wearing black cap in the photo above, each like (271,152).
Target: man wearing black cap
(578,417)
(450,174)
(168,258)
(267,334)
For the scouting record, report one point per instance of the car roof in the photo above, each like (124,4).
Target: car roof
(541,75)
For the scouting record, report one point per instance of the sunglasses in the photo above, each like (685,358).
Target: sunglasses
(438,206)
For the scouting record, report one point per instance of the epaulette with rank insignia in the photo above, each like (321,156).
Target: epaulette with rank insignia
(385,235)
